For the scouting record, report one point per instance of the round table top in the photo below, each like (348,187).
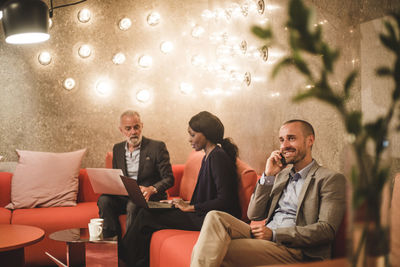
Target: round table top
(14,236)
(79,235)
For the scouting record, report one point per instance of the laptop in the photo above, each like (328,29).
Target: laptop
(136,195)
(106,181)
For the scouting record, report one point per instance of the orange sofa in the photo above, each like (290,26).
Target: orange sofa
(49,219)
(174,247)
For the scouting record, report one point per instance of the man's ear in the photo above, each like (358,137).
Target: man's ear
(120,129)
(311,139)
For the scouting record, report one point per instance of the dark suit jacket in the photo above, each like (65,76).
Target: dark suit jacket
(154,166)
(321,207)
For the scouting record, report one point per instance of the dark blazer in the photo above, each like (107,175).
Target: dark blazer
(154,165)
(321,207)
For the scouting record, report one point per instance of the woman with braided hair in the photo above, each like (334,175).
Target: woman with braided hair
(216,189)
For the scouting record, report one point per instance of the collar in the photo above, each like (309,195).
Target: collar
(303,172)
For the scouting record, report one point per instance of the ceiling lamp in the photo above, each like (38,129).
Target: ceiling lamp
(25,21)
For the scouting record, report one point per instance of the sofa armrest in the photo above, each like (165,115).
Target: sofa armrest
(5,188)
(86,193)
(177,170)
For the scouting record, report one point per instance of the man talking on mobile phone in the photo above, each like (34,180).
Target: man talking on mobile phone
(302,205)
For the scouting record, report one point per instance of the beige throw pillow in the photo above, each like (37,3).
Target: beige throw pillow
(43,179)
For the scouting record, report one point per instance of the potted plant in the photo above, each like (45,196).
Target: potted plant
(369,175)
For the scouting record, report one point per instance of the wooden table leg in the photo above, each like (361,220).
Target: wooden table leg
(102,254)
(14,257)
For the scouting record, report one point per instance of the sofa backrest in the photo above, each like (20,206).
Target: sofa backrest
(5,188)
(190,173)
(85,193)
(247,180)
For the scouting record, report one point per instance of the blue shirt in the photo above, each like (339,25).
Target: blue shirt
(285,213)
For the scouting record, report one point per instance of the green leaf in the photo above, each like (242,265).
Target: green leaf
(298,16)
(353,122)
(383,71)
(349,82)
(301,65)
(263,33)
(303,95)
(390,29)
(389,42)
(283,63)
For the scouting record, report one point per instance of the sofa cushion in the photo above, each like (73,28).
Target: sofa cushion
(50,220)
(44,179)
(172,248)
(5,216)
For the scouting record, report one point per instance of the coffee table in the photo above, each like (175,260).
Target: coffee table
(13,239)
(82,249)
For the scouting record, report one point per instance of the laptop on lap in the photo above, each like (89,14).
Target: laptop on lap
(136,195)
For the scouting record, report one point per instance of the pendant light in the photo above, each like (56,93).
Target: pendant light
(25,21)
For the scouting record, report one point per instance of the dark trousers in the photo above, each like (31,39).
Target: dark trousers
(110,208)
(134,248)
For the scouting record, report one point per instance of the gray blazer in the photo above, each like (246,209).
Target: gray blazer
(154,165)
(322,204)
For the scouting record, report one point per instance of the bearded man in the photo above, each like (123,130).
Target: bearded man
(302,205)
(139,158)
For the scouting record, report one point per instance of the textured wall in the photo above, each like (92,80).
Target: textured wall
(37,113)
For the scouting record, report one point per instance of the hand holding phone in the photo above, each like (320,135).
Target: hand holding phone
(275,163)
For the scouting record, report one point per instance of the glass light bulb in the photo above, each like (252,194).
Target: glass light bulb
(153,18)
(186,88)
(119,58)
(1,14)
(207,14)
(125,24)
(69,83)
(197,31)
(198,60)
(103,88)
(84,51)
(166,47)
(84,15)
(145,61)
(44,58)
(143,95)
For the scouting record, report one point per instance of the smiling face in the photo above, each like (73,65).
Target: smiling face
(197,139)
(295,145)
(131,127)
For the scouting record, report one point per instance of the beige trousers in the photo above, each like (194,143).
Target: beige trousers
(226,241)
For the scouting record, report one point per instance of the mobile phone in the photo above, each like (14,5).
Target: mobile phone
(283,160)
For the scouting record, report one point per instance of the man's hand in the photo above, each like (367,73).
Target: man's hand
(274,164)
(261,231)
(147,191)
(183,205)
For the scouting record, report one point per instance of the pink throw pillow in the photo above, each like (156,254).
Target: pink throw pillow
(44,179)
